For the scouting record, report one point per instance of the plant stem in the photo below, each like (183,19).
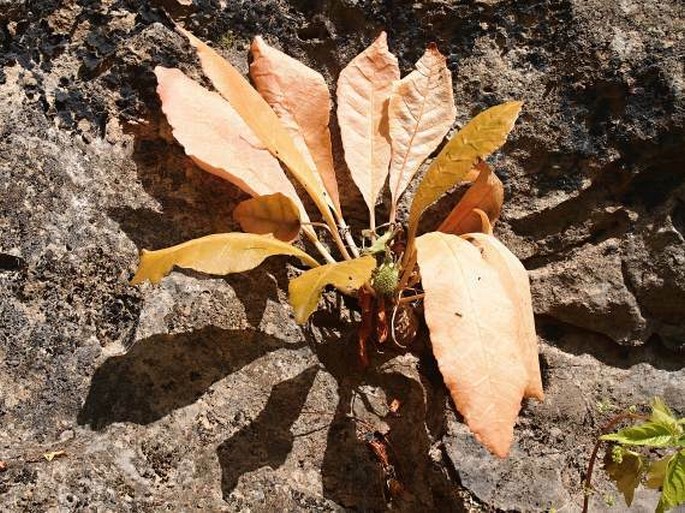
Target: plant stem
(409,299)
(319,225)
(347,233)
(372,223)
(341,245)
(311,234)
(587,485)
(408,263)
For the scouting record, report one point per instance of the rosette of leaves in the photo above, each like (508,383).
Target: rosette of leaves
(476,296)
(650,453)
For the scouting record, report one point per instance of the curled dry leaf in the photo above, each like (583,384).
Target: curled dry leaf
(478,139)
(480,332)
(221,253)
(477,221)
(299,97)
(421,111)
(305,290)
(485,194)
(275,214)
(364,87)
(217,139)
(51,455)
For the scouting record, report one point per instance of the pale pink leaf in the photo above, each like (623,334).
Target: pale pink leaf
(421,112)
(217,139)
(364,87)
(299,97)
(479,328)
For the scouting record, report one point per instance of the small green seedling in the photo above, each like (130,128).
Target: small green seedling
(651,453)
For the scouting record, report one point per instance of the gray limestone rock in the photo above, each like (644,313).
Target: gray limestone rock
(202,393)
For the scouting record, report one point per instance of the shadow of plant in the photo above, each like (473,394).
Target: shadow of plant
(165,372)
(352,475)
(267,440)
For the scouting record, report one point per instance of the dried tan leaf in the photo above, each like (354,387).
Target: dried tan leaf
(299,97)
(217,139)
(263,121)
(275,214)
(305,290)
(486,194)
(515,279)
(221,253)
(364,87)
(478,139)
(477,322)
(421,111)
(51,455)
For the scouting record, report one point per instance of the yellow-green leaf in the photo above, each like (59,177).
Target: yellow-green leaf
(662,414)
(478,139)
(221,253)
(648,433)
(274,213)
(258,115)
(305,290)
(673,487)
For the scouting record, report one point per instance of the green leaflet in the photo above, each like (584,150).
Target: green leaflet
(380,245)
(662,414)
(673,491)
(647,433)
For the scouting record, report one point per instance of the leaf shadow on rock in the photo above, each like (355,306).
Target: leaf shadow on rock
(163,373)
(268,439)
(352,475)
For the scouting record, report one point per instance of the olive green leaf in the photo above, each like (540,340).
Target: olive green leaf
(305,290)
(657,472)
(626,472)
(479,138)
(221,253)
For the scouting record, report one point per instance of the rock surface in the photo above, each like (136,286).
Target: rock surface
(202,393)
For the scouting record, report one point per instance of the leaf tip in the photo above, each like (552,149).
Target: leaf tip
(498,445)
(517,105)
(257,46)
(185,33)
(381,40)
